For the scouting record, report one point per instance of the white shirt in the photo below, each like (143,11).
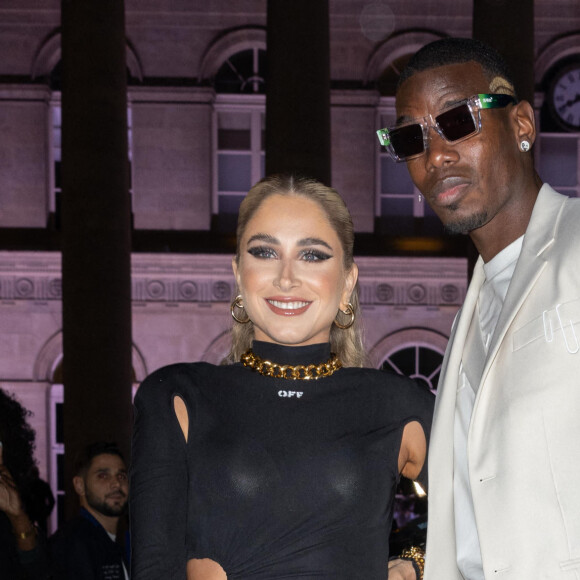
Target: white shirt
(114,539)
(498,273)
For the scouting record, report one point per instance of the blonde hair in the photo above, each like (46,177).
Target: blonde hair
(347,344)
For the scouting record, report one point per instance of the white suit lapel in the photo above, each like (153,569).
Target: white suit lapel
(450,371)
(531,263)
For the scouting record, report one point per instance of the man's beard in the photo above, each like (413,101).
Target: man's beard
(466,224)
(104,508)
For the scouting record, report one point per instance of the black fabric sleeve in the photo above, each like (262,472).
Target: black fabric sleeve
(159,479)
(416,402)
(425,402)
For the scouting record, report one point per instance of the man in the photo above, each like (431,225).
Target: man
(85,547)
(504,461)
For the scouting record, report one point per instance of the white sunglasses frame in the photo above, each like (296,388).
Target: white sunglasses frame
(474,104)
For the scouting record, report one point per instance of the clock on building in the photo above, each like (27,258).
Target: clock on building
(564,97)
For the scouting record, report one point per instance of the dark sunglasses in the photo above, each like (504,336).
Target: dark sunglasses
(453,124)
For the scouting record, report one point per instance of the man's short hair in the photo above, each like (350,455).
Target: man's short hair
(448,51)
(86,456)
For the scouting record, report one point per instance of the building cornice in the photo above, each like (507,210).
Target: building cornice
(199,278)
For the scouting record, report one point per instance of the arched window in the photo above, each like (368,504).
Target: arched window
(398,206)
(235,66)
(418,361)
(240,123)
(413,352)
(242,72)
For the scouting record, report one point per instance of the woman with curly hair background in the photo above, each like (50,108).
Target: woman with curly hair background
(22,549)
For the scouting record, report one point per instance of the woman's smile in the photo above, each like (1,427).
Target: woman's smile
(288,306)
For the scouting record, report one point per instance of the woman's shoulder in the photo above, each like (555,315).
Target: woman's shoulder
(379,376)
(390,383)
(177,378)
(395,398)
(181,369)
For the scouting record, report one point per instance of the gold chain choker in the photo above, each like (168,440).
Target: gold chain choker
(298,372)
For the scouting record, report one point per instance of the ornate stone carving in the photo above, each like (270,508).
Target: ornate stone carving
(55,288)
(174,278)
(221,291)
(155,289)
(417,293)
(450,293)
(24,288)
(385,293)
(188,290)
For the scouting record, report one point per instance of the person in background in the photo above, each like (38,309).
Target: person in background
(22,545)
(504,460)
(85,547)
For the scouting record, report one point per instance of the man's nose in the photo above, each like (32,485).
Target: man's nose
(439,151)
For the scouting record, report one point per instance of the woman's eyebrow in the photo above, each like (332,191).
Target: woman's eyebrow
(313,242)
(264,238)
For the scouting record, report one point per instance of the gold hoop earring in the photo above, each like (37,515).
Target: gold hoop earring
(237,303)
(348,311)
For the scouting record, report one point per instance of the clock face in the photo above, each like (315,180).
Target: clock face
(565,98)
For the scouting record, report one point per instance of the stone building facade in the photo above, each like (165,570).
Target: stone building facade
(196,111)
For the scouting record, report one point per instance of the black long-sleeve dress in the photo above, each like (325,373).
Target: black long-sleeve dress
(279,478)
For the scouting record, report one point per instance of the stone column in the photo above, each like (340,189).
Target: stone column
(96,230)
(298,88)
(509,27)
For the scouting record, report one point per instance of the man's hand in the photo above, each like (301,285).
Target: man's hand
(401,570)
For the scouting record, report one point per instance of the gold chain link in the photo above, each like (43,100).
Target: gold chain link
(298,372)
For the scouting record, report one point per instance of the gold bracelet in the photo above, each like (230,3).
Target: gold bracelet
(25,535)
(417,557)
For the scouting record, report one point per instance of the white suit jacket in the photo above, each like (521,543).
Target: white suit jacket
(523,444)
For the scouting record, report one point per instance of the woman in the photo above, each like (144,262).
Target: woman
(284,463)
(22,545)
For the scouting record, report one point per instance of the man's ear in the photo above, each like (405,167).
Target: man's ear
(349,285)
(79,485)
(525,122)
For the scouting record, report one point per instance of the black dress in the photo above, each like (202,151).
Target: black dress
(279,478)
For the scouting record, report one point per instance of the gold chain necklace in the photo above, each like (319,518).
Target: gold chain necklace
(298,372)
